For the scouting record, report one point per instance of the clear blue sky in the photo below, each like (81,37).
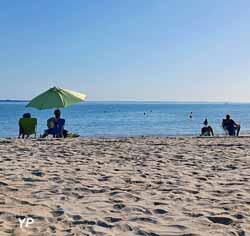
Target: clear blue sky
(126,49)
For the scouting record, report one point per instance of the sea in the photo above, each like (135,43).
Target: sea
(123,119)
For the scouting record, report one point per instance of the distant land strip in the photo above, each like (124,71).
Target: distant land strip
(12,100)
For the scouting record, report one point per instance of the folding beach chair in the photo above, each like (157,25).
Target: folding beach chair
(28,126)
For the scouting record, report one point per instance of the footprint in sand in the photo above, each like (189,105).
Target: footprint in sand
(159,203)
(104,224)
(123,227)
(145,233)
(76,217)
(112,219)
(160,211)
(58,212)
(84,222)
(239,216)
(144,219)
(3,184)
(119,206)
(37,173)
(220,220)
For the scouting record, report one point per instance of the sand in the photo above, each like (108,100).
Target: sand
(129,186)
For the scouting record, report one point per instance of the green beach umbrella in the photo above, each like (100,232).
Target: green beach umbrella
(56,98)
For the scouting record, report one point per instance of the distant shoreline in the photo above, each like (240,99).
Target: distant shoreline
(245,134)
(10,100)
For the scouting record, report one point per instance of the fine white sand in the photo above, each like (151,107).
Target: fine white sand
(131,186)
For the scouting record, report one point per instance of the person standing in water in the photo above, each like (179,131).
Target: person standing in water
(191,115)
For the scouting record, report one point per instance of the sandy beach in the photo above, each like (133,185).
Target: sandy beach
(129,186)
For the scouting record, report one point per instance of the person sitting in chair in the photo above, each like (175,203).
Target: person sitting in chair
(231,127)
(56,126)
(27,126)
(207,129)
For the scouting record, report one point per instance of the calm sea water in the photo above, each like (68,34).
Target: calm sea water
(111,119)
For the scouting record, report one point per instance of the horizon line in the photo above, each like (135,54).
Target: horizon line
(149,101)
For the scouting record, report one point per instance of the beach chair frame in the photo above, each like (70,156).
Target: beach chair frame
(28,126)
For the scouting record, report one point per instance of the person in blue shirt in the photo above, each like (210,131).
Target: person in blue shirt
(56,126)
